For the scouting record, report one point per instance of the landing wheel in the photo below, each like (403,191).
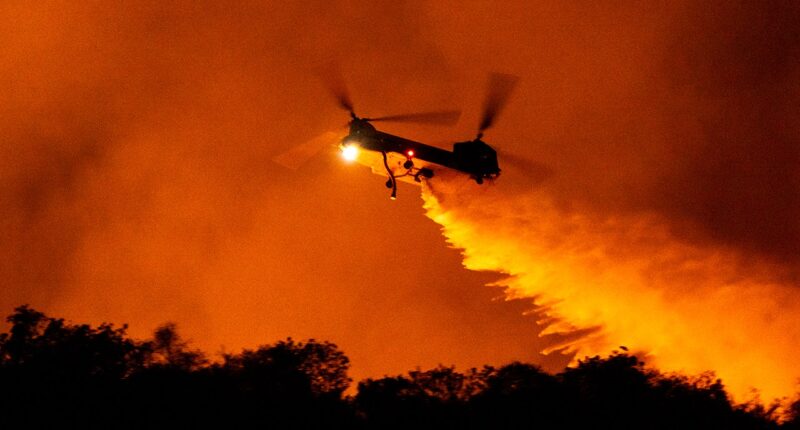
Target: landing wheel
(427,173)
(389,183)
(479,180)
(408,164)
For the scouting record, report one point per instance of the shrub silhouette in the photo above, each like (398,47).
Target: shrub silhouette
(518,394)
(51,368)
(434,397)
(54,374)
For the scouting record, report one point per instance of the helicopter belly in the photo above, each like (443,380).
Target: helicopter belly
(419,171)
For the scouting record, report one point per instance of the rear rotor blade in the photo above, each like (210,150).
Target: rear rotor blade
(500,87)
(446,117)
(331,76)
(300,154)
(534,171)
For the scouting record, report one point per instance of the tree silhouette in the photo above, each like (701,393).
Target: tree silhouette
(320,367)
(54,374)
(290,382)
(71,369)
(168,349)
(519,394)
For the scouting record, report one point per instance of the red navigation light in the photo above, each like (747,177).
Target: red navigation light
(410,153)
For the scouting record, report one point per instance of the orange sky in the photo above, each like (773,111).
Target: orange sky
(137,182)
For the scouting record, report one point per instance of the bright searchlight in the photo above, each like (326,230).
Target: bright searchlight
(350,151)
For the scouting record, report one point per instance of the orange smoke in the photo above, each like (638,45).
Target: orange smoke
(136,181)
(138,186)
(687,308)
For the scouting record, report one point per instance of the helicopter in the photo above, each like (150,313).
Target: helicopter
(401,159)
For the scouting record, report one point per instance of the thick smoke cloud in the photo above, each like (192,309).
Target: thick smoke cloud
(740,182)
(670,221)
(687,111)
(137,183)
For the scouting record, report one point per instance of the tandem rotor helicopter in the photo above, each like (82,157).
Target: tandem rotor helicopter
(401,159)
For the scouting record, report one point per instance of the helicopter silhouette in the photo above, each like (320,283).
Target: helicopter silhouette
(402,159)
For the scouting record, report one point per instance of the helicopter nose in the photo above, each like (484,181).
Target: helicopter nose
(350,151)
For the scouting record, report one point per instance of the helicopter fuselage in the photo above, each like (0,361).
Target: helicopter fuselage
(405,158)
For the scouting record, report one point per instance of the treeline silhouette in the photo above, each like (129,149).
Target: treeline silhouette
(54,374)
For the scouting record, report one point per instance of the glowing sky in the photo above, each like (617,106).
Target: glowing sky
(138,186)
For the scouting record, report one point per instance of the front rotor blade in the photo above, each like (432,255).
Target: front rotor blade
(300,154)
(447,117)
(331,76)
(500,87)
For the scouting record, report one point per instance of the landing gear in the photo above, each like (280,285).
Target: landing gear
(410,170)
(479,180)
(392,182)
